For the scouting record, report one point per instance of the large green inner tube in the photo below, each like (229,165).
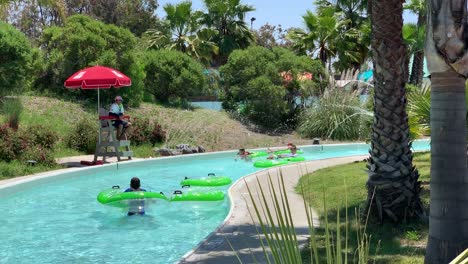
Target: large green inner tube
(115,197)
(264,153)
(207,181)
(277,162)
(198,196)
(270,163)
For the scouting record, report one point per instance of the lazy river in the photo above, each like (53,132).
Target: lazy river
(58,219)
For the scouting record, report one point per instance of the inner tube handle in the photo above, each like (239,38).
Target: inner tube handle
(115,187)
(177,192)
(185,186)
(185,178)
(161,193)
(211,174)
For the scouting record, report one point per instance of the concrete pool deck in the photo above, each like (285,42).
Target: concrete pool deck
(238,228)
(237,236)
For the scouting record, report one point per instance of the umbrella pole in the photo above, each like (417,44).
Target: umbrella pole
(98,106)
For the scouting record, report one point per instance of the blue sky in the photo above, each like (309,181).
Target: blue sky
(287,13)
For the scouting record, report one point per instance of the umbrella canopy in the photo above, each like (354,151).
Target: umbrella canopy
(97,77)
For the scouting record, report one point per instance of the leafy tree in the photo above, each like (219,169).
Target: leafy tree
(228,18)
(172,76)
(393,186)
(270,36)
(184,33)
(446,54)
(254,85)
(83,42)
(17,63)
(136,15)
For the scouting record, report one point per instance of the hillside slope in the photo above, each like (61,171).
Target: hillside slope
(212,129)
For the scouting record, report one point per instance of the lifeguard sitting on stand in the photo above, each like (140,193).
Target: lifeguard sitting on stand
(117,110)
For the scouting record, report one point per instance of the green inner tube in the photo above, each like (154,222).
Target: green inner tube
(198,196)
(207,181)
(256,154)
(277,162)
(117,198)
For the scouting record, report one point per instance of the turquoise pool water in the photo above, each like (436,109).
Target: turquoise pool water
(58,220)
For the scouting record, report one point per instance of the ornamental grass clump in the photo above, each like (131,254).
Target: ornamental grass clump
(280,244)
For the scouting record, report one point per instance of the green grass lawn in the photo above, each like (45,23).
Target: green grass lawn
(402,243)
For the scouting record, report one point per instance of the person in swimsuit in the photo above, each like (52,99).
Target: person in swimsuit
(135,206)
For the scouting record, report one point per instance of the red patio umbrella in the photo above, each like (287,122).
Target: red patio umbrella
(97,77)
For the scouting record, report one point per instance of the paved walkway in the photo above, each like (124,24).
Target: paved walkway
(72,162)
(239,229)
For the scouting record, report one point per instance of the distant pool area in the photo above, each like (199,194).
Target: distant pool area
(58,220)
(212,105)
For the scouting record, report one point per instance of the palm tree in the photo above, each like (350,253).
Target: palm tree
(418,7)
(446,52)
(413,36)
(228,18)
(324,31)
(393,186)
(182,31)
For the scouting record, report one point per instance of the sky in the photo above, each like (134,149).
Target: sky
(287,13)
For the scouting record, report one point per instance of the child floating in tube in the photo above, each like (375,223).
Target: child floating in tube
(293,153)
(135,206)
(243,154)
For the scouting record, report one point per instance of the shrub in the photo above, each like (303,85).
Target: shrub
(158,135)
(11,145)
(337,115)
(12,108)
(144,131)
(41,136)
(140,131)
(83,136)
(42,155)
(172,76)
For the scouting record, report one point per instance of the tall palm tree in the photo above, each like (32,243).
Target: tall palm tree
(446,55)
(414,36)
(324,31)
(418,7)
(393,186)
(182,31)
(228,18)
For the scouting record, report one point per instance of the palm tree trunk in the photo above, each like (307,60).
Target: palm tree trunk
(448,218)
(417,69)
(393,186)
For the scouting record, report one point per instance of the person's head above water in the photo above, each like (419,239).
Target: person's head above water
(135,183)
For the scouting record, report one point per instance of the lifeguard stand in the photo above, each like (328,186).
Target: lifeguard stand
(108,144)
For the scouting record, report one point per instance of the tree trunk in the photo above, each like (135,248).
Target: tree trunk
(390,168)
(417,70)
(446,52)
(448,218)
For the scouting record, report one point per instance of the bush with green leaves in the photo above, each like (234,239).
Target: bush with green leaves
(11,144)
(146,131)
(172,76)
(17,61)
(254,79)
(337,115)
(83,136)
(41,155)
(83,42)
(40,136)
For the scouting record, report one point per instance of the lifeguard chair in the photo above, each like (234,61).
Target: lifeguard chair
(108,143)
